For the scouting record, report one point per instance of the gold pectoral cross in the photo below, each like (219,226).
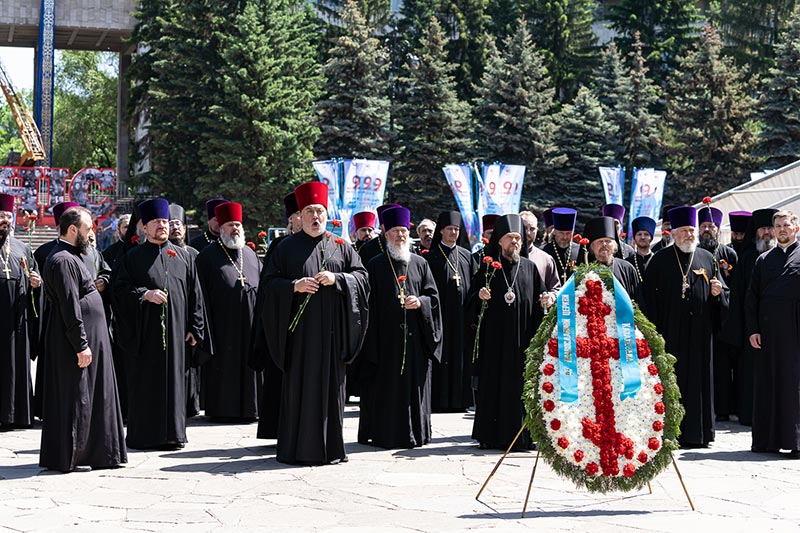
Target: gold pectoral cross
(402,296)
(458,279)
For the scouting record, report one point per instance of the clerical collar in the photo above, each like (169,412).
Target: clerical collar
(446,247)
(72,247)
(788,248)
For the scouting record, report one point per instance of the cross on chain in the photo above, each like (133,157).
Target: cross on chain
(7,270)
(458,279)
(402,296)
(611,443)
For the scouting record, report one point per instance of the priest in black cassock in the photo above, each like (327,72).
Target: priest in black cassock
(739,222)
(666,237)
(684,300)
(512,317)
(709,220)
(364,224)
(229,271)
(545,263)
(604,245)
(561,248)
(773,301)
(156,292)
(452,267)
(212,233)
(402,343)
(376,246)
(643,229)
(18,277)
(617,212)
(294,223)
(759,239)
(82,426)
(315,320)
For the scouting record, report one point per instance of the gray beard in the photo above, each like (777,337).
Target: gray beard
(234,243)
(514,257)
(765,245)
(709,243)
(403,255)
(687,247)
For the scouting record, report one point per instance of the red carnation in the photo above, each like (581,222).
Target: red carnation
(548,369)
(328,235)
(642,457)
(251,244)
(496,265)
(578,456)
(577,238)
(549,405)
(658,388)
(424,251)
(660,408)
(172,253)
(563,443)
(484,240)
(658,425)
(653,443)
(555,424)
(547,387)
(592,469)
(629,470)
(135,239)
(262,234)
(401,279)
(32,218)
(584,242)
(488,259)
(336,223)
(653,369)
(665,233)
(338,240)
(706,200)
(411,224)
(623,235)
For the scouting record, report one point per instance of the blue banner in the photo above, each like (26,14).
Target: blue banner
(459,177)
(613,179)
(626,335)
(567,353)
(646,194)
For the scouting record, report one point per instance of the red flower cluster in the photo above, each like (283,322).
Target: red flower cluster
(577,238)
(658,388)
(548,370)
(484,240)
(555,424)
(642,348)
(172,253)
(401,279)
(642,457)
(653,443)
(664,233)
(262,234)
(552,347)
(549,405)
(623,235)
(578,456)
(339,241)
(135,239)
(629,470)
(660,408)
(251,244)
(653,369)
(424,251)
(706,200)
(547,387)
(563,442)
(496,265)
(591,469)
(488,259)
(584,242)
(336,223)
(658,425)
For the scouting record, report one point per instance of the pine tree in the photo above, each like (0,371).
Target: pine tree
(779,142)
(354,112)
(750,30)
(562,30)
(433,126)
(666,28)
(612,88)
(260,130)
(585,137)
(709,125)
(515,105)
(639,126)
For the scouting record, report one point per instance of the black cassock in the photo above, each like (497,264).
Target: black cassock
(157,377)
(725,355)
(82,416)
(203,240)
(506,332)
(566,259)
(734,334)
(627,276)
(640,263)
(231,389)
(396,399)
(372,248)
(16,390)
(194,397)
(313,357)
(688,326)
(450,386)
(773,310)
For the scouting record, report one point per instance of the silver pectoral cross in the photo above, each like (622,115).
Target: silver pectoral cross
(684,288)
(7,270)
(458,279)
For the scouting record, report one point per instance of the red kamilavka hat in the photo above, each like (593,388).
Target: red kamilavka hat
(311,193)
(227,212)
(364,219)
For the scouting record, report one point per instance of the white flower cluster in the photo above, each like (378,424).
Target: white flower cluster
(634,416)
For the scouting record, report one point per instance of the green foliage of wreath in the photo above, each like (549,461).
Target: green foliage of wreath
(534,419)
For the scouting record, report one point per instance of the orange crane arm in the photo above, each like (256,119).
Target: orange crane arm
(28,131)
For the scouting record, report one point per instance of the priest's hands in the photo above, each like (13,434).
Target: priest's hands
(309,285)
(412,302)
(716,287)
(547,299)
(190,339)
(485,294)
(84,358)
(35,280)
(100,284)
(155,296)
(325,278)
(755,341)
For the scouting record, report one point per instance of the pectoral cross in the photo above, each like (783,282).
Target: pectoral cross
(684,288)
(7,270)
(241,278)
(402,296)
(457,278)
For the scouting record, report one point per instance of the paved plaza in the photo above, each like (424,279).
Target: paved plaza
(226,480)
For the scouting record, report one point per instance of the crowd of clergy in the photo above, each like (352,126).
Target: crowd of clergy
(131,342)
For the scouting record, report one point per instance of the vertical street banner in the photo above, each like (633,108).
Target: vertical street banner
(459,177)
(647,193)
(328,173)
(501,189)
(613,184)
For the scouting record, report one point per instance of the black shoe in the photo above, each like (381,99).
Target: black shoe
(794,454)
(764,450)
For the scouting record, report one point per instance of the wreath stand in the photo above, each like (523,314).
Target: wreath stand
(536,463)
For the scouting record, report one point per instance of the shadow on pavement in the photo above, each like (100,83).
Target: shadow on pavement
(735,456)
(228,467)
(23,471)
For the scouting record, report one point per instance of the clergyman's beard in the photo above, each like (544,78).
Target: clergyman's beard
(765,245)
(234,243)
(687,247)
(511,255)
(177,241)
(82,243)
(401,254)
(708,242)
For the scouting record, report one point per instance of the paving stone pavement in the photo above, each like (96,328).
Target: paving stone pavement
(226,480)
